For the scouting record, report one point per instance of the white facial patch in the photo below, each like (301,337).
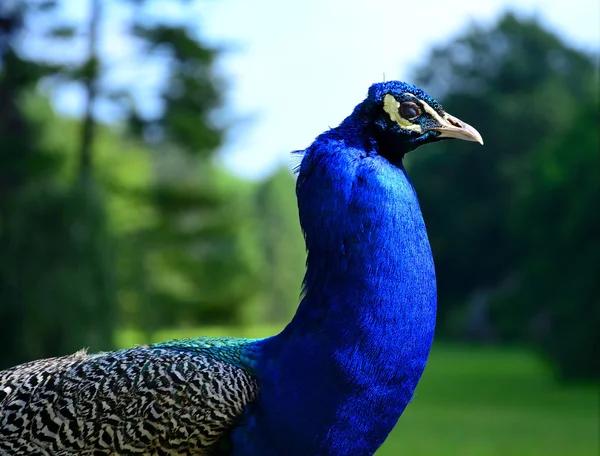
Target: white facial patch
(432,112)
(392,107)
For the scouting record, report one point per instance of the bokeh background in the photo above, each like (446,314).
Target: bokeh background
(145,192)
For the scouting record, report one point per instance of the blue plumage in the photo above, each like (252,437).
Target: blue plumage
(338,377)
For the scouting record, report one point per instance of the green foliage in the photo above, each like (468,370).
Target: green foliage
(523,89)
(92,223)
(557,222)
(17,76)
(193,262)
(58,289)
(56,286)
(191,95)
(198,255)
(282,252)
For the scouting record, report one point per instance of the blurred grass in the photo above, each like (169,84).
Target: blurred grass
(493,402)
(473,402)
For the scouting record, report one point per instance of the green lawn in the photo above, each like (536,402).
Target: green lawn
(477,402)
(483,402)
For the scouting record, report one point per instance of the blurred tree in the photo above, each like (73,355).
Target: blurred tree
(189,260)
(195,259)
(199,254)
(88,73)
(522,87)
(190,93)
(558,222)
(20,155)
(282,246)
(16,76)
(56,292)
(58,263)
(189,263)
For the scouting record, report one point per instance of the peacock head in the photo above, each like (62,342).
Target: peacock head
(405,117)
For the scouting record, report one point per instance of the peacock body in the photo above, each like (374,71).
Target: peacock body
(333,382)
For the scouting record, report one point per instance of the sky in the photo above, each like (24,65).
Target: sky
(294,69)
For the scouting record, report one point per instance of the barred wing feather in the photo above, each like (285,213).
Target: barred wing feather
(139,401)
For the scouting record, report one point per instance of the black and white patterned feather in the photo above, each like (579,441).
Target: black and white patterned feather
(141,401)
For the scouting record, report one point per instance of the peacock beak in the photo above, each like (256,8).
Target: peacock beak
(455,128)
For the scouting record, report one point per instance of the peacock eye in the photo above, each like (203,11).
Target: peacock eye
(409,110)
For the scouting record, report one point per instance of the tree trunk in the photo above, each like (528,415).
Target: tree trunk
(91,89)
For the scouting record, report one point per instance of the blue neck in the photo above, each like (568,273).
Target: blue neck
(338,377)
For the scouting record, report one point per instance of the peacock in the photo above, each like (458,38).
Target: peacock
(334,381)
